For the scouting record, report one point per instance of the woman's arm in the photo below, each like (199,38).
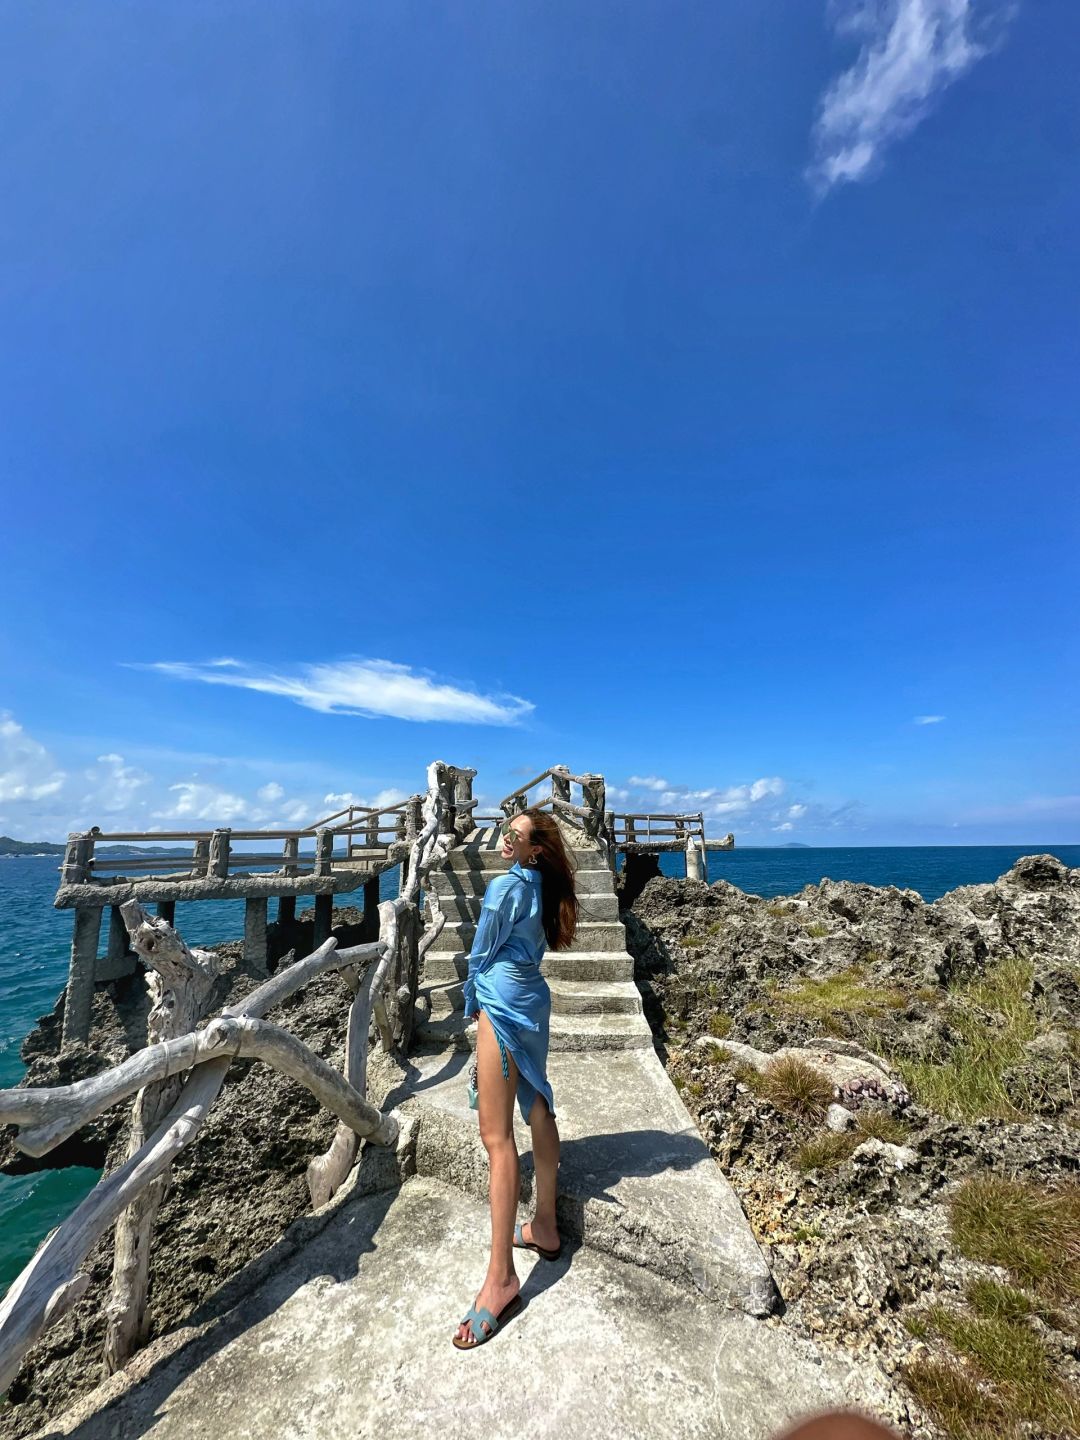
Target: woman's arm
(498,915)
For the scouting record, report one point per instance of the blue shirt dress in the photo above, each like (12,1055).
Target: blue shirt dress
(505,982)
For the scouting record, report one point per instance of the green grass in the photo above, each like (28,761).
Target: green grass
(796,1088)
(720,1025)
(994,1301)
(826,1152)
(877,1124)
(1030,1231)
(971,1081)
(817,931)
(693,942)
(838,997)
(963,1410)
(1009,1355)
(778,911)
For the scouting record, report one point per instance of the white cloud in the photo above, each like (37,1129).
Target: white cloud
(27,770)
(270,793)
(910,50)
(370,688)
(796,811)
(787,825)
(196,800)
(929,719)
(647,782)
(114,786)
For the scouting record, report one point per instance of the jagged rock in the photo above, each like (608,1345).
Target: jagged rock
(838,1119)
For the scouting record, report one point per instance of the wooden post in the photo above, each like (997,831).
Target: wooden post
(220,843)
(560,788)
(609,826)
(631,830)
(463,806)
(200,860)
(693,859)
(166,910)
(370,929)
(180,983)
(117,950)
(76,867)
(324,852)
(324,919)
(593,796)
(414,817)
(289,855)
(399,827)
(79,998)
(286,912)
(371,839)
(255,955)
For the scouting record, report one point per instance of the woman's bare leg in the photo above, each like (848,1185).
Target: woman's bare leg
(496,1107)
(542,1230)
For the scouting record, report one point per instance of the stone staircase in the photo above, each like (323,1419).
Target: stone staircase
(595,1004)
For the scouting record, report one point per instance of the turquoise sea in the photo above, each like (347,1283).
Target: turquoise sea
(34,956)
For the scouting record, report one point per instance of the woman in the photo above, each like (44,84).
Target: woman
(530,907)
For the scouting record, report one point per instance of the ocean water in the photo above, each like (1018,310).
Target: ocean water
(33,971)
(36,941)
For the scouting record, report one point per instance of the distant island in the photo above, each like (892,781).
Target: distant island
(10,848)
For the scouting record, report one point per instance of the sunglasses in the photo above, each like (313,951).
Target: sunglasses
(509,830)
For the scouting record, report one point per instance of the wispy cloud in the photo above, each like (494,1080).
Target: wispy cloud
(371,688)
(910,50)
(928,719)
(647,782)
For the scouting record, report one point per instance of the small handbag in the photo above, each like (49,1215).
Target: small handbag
(474,1097)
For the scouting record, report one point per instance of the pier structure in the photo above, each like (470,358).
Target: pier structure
(337,855)
(333,856)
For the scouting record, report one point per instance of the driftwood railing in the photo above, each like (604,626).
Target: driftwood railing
(640,834)
(169,1111)
(584,812)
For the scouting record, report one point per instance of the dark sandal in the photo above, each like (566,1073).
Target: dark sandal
(520,1243)
(477,1318)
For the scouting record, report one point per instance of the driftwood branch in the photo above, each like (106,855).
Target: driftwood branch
(180,982)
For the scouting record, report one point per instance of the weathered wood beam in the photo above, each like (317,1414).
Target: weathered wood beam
(79,996)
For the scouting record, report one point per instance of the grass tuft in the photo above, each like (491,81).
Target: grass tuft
(1012,1357)
(950,1394)
(825,1152)
(1032,1232)
(720,1025)
(972,1081)
(796,1087)
(994,1301)
(875,1123)
(817,931)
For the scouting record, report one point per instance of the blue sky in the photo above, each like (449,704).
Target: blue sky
(685,392)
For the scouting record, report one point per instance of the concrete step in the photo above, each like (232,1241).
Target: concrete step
(568,997)
(560,965)
(473,880)
(592,936)
(590,907)
(567,1032)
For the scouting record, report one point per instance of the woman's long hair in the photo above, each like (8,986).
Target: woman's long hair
(559,899)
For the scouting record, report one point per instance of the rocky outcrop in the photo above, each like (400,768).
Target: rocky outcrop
(880,994)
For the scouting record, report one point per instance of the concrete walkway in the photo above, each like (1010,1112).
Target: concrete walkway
(642,1328)
(351,1338)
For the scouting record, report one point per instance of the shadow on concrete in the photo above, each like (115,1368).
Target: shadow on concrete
(241,1303)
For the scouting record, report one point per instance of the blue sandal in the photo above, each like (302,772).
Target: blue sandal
(520,1243)
(478,1318)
